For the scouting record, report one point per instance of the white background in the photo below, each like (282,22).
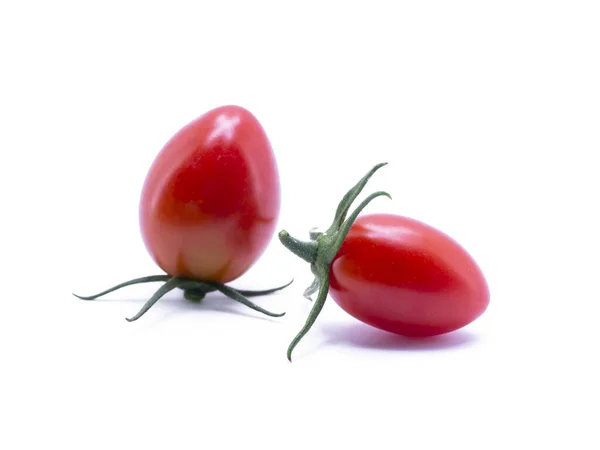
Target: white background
(489,115)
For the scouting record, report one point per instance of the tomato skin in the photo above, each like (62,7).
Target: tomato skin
(210,202)
(405,277)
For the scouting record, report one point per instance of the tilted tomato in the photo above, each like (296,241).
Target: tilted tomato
(403,276)
(209,206)
(391,272)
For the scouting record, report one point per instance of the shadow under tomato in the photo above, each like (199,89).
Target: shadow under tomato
(361,335)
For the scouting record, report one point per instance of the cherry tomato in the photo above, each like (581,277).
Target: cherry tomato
(211,200)
(406,277)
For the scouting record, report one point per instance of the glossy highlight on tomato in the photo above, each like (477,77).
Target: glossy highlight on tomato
(211,200)
(406,277)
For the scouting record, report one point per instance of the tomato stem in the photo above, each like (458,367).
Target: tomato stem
(238,297)
(193,295)
(148,279)
(173,283)
(348,199)
(322,249)
(197,291)
(194,290)
(312,317)
(314,287)
(307,250)
(248,293)
(338,237)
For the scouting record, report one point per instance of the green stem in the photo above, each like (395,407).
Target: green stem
(345,228)
(348,199)
(149,279)
(235,295)
(264,291)
(314,287)
(323,248)
(194,296)
(305,250)
(193,290)
(312,317)
(171,284)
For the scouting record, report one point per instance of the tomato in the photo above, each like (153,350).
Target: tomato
(209,207)
(406,277)
(211,200)
(389,271)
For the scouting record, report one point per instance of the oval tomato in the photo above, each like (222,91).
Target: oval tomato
(211,200)
(406,277)
(391,272)
(209,207)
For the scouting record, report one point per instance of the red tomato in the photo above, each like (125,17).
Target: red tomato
(403,276)
(211,200)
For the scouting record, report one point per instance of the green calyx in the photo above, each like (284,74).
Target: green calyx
(322,248)
(193,290)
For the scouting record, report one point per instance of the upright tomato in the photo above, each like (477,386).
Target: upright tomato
(391,272)
(209,206)
(211,200)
